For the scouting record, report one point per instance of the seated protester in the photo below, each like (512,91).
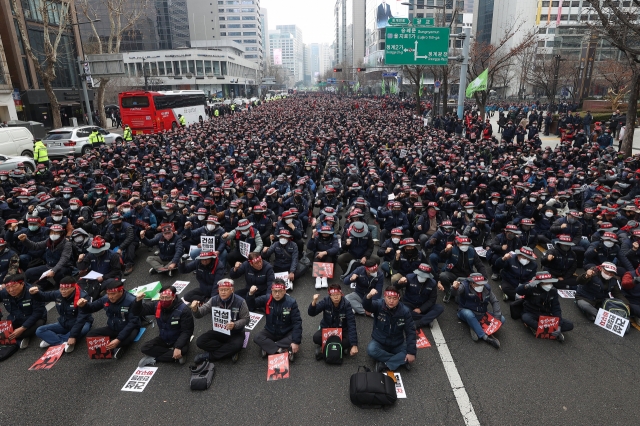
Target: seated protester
(258,273)
(73,324)
(327,218)
(211,228)
(460,260)
(571,225)
(502,244)
(209,271)
(283,325)
(263,222)
(394,218)
(393,339)
(175,325)
(219,345)
(290,222)
(325,248)
(57,256)
(505,213)
(407,259)
(336,313)
(357,247)
(421,292)
(365,278)
(541,299)
(528,237)
(544,219)
(123,324)
(478,231)
(438,242)
(35,232)
(24,311)
(9,260)
(561,262)
(474,294)
(594,287)
(170,250)
(245,232)
(102,260)
(81,241)
(388,249)
(98,226)
(605,250)
(516,270)
(631,290)
(629,257)
(120,235)
(604,227)
(286,255)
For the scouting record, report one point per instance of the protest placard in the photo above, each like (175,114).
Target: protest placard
(278,367)
(6,329)
(285,277)
(97,347)
(180,285)
(326,332)
(612,322)
(422,341)
(245,248)
(253,320)
(322,269)
(207,243)
(221,318)
(546,326)
(490,324)
(480,251)
(139,379)
(49,358)
(567,294)
(399,386)
(149,290)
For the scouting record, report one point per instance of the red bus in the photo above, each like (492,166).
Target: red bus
(151,112)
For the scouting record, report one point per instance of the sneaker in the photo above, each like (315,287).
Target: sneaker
(200,358)
(44,344)
(118,353)
(381,367)
(407,365)
(69,348)
(291,355)
(263,353)
(494,276)
(235,357)
(147,360)
(505,297)
(430,325)
(24,343)
(152,271)
(447,295)
(560,338)
(474,336)
(493,342)
(318,283)
(325,283)
(128,270)
(318,352)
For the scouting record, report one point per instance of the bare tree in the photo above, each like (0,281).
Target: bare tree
(541,75)
(122,16)
(616,74)
(415,76)
(55,19)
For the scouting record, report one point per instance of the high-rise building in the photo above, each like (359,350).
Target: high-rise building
(307,63)
(288,39)
(264,22)
(349,38)
(7,104)
(321,59)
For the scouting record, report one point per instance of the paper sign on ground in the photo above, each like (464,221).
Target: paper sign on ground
(44,274)
(278,367)
(245,248)
(546,326)
(322,269)
(6,329)
(285,277)
(97,347)
(139,379)
(612,322)
(490,324)
(207,243)
(93,275)
(254,319)
(149,290)
(399,386)
(422,341)
(327,332)
(567,294)
(49,358)
(480,251)
(180,285)
(221,318)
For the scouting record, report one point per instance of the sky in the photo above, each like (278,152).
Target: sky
(314,17)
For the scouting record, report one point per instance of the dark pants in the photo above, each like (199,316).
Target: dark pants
(108,331)
(32,275)
(423,320)
(244,291)
(346,344)
(220,345)
(532,321)
(509,290)
(31,331)
(161,351)
(198,295)
(270,343)
(447,278)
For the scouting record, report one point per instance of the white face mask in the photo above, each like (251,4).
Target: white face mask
(548,214)
(546,287)
(464,248)
(78,239)
(533,200)
(288,221)
(66,196)
(56,218)
(211,227)
(542,197)
(494,202)
(245,232)
(608,244)
(479,288)
(380,189)
(606,276)
(524,261)
(125,211)
(233,210)
(283,241)
(54,237)
(469,211)
(3,178)
(73,207)
(201,217)
(203,189)
(420,279)
(395,240)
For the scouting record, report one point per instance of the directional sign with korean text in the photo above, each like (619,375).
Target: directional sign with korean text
(398,21)
(427,22)
(417,46)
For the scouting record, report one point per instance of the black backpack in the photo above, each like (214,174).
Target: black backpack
(368,389)
(333,350)
(202,375)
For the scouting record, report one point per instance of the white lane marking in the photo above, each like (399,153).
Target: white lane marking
(464,403)
(50,305)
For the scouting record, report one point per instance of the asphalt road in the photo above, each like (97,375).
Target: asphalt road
(588,379)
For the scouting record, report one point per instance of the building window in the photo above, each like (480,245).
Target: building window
(233,18)
(223,34)
(220,10)
(207,67)
(223,26)
(233,26)
(233,10)
(251,41)
(248,18)
(542,30)
(183,67)
(248,9)
(541,43)
(169,70)
(545,4)
(234,33)
(248,25)
(199,68)
(555,3)
(249,33)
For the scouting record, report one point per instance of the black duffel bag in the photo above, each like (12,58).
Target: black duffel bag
(517,308)
(368,388)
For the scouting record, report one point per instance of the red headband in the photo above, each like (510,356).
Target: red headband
(335,291)
(76,296)
(256,260)
(277,286)
(115,290)
(225,283)
(391,293)
(10,283)
(371,268)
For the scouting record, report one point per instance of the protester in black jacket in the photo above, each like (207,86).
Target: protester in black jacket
(336,313)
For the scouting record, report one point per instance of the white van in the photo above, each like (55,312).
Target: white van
(16,141)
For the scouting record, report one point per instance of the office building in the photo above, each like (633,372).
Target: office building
(288,40)
(349,38)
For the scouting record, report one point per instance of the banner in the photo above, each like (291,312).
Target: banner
(97,347)
(322,269)
(254,319)
(546,326)
(49,358)
(327,332)
(221,317)
(6,329)
(150,290)
(490,324)
(612,322)
(278,367)
(245,248)
(139,379)
(422,341)
(207,243)
(479,84)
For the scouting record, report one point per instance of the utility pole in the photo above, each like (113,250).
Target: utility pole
(467,20)
(556,70)
(83,77)
(144,73)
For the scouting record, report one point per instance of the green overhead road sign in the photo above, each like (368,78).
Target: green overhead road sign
(425,22)
(416,46)
(398,21)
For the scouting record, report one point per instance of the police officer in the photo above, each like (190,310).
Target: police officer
(336,313)
(258,273)
(73,324)
(421,292)
(126,134)
(170,250)
(25,313)
(175,324)
(219,345)
(541,299)
(96,139)
(123,324)
(182,120)
(365,278)
(40,155)
(209,271)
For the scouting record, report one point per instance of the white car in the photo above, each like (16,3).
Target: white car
(10,162)
(75,140)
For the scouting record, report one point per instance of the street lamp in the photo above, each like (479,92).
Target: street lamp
(83,76)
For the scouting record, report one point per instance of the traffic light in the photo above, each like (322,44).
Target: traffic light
(361,69)
(337,70)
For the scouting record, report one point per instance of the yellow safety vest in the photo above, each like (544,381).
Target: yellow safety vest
(183,121)
(216,113)
(40,152)
(95,137)
(127,134)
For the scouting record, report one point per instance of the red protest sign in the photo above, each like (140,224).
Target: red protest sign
(422,342)
(546,326)
(490,324)
(49,358)
(6,329)
(97,347)
(321,269)
(326,332)
(278,367)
